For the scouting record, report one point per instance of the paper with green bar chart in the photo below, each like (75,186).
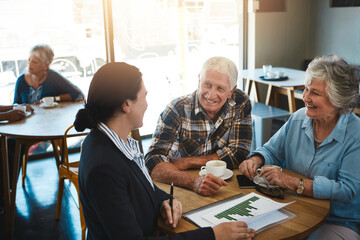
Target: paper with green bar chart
(256,210)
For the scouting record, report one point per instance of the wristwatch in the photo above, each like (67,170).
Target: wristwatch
(57,98)
(300,187)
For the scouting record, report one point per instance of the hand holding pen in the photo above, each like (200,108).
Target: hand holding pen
(171,209)
(171,196)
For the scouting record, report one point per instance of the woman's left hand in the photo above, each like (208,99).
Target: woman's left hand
(171,218)
(276,177)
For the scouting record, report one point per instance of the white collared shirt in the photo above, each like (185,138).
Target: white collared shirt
(130,149)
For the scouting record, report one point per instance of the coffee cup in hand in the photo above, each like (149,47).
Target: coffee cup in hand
(47,101)
(262,180)
(215,167)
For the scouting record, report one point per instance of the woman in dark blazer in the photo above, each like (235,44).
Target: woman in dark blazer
(119,199)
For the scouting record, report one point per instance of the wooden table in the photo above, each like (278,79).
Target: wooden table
(310,212)
(43,125)
(286,87)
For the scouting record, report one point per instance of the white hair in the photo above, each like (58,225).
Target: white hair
(221,65)
(43,52)
(342,80)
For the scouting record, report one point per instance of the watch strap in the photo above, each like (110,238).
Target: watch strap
(300,187)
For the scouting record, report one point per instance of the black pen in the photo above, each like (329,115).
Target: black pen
(171,196)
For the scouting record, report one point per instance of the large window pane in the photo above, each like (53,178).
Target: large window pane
(73,28)
(169,40)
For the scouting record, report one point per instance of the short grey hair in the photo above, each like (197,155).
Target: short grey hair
(221,65)
(342,80)
(43,52)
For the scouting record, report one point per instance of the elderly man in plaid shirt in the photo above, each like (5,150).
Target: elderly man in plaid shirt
(214,122)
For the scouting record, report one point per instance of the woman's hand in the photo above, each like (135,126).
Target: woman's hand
(276,177)
(233,230)
(14,115)
(249,166)
(171,218)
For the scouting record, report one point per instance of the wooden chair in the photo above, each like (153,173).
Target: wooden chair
(69,171)
(56,148)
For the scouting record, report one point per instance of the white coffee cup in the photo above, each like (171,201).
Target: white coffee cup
(262,180)
(271,74)
(267,68)
(281,73)
(215,167)
(47,101)
(20,107)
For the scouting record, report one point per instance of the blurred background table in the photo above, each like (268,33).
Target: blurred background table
(45,124)
(310,212)
(291,87)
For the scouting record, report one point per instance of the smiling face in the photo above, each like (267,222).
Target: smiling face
(317,103)
(214,90)
(35,65)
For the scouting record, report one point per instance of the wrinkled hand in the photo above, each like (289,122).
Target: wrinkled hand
(208,184)
(276,177)
(233,230)
(248,168)
(174,217)
(15,115)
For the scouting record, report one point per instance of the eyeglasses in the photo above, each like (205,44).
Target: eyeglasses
(275,192)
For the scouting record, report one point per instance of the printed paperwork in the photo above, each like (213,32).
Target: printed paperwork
(257,211)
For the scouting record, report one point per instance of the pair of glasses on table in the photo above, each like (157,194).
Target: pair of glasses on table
(274,192)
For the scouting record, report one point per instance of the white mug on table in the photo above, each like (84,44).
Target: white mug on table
(47,101)
(215,167)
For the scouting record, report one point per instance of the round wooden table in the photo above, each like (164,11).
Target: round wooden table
(310,213)
(45,124)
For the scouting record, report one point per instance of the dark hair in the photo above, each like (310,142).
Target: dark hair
(110,87)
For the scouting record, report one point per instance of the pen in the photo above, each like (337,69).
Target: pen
(171,196)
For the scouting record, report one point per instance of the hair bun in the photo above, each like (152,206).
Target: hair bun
(83,120)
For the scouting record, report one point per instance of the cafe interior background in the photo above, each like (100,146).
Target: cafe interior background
(170,39)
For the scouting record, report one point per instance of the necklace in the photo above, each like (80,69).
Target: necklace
(315,139)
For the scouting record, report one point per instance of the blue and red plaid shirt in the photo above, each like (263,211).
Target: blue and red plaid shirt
(185,130)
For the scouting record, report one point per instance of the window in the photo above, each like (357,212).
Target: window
(169,40)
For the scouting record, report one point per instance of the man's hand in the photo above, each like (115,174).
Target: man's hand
(208,184)
(193,162)
(171,218)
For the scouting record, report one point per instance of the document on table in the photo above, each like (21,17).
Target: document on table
(257,211)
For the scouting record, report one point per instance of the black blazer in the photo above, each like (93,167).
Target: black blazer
(118,201)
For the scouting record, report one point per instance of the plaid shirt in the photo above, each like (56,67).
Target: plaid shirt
(185,130)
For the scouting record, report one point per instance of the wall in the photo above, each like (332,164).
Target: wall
(278,38)
(281,37)
(334,30)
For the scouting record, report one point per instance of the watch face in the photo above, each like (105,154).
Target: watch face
(300,190)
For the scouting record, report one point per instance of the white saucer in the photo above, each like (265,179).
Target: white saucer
(228,174)
(48,106)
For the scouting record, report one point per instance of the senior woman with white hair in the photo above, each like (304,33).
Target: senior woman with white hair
(321,142)
(41,81)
